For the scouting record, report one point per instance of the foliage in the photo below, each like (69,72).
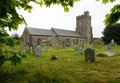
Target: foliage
(69,68)
(106,1)
(66,4)
(6,40)
(111,32)
(15,59)
(10,18)
(8,10)
(114,16)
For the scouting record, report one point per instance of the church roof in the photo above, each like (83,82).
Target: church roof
(53,32)
(42,32)
(67,33)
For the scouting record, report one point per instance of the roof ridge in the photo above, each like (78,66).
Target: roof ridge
(62,29)
(37,28)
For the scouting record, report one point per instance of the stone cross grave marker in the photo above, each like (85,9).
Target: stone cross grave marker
(109,46)
(37,50)
(89,55)
(79,50)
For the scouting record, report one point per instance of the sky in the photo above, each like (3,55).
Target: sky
(46,18)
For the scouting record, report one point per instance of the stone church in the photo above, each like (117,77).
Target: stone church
(61,37)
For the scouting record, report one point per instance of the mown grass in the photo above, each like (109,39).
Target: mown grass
(69,68)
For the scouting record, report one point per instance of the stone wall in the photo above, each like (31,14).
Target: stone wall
(26,37)
(61,41)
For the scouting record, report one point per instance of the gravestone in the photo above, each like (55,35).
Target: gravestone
(56,45)
(89,55)
(109,46)
(112,42)
(46,48)
(79,50)
(27,49)
(37,50)
(74,46)
(71,44)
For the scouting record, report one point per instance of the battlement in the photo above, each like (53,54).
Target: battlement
(85,15)
(83,25)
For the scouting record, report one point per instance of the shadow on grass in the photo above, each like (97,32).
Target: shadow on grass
(17,76)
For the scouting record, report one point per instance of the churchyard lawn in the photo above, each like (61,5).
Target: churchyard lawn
(68,68)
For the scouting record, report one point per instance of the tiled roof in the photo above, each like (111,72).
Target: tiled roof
(53,32)
(68,33)
(37,31)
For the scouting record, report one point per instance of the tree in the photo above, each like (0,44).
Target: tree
(11,19)
(114,16)
(111,32)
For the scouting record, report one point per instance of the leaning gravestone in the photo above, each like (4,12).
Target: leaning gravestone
(109,46)
(37,50)
(79,50)
(89,55)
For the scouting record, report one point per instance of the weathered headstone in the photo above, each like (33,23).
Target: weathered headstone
(79,50)
(109,46)
(27,49)
(74,46)
(71,44)
(37,50)
(89,55)
(46,48)
(112,42)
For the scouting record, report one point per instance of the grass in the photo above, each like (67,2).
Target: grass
(69,68)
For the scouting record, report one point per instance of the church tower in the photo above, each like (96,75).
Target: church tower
(83,26)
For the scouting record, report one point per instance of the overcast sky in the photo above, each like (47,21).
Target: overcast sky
(46,18)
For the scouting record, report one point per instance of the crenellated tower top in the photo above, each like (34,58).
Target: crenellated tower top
(83,26)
